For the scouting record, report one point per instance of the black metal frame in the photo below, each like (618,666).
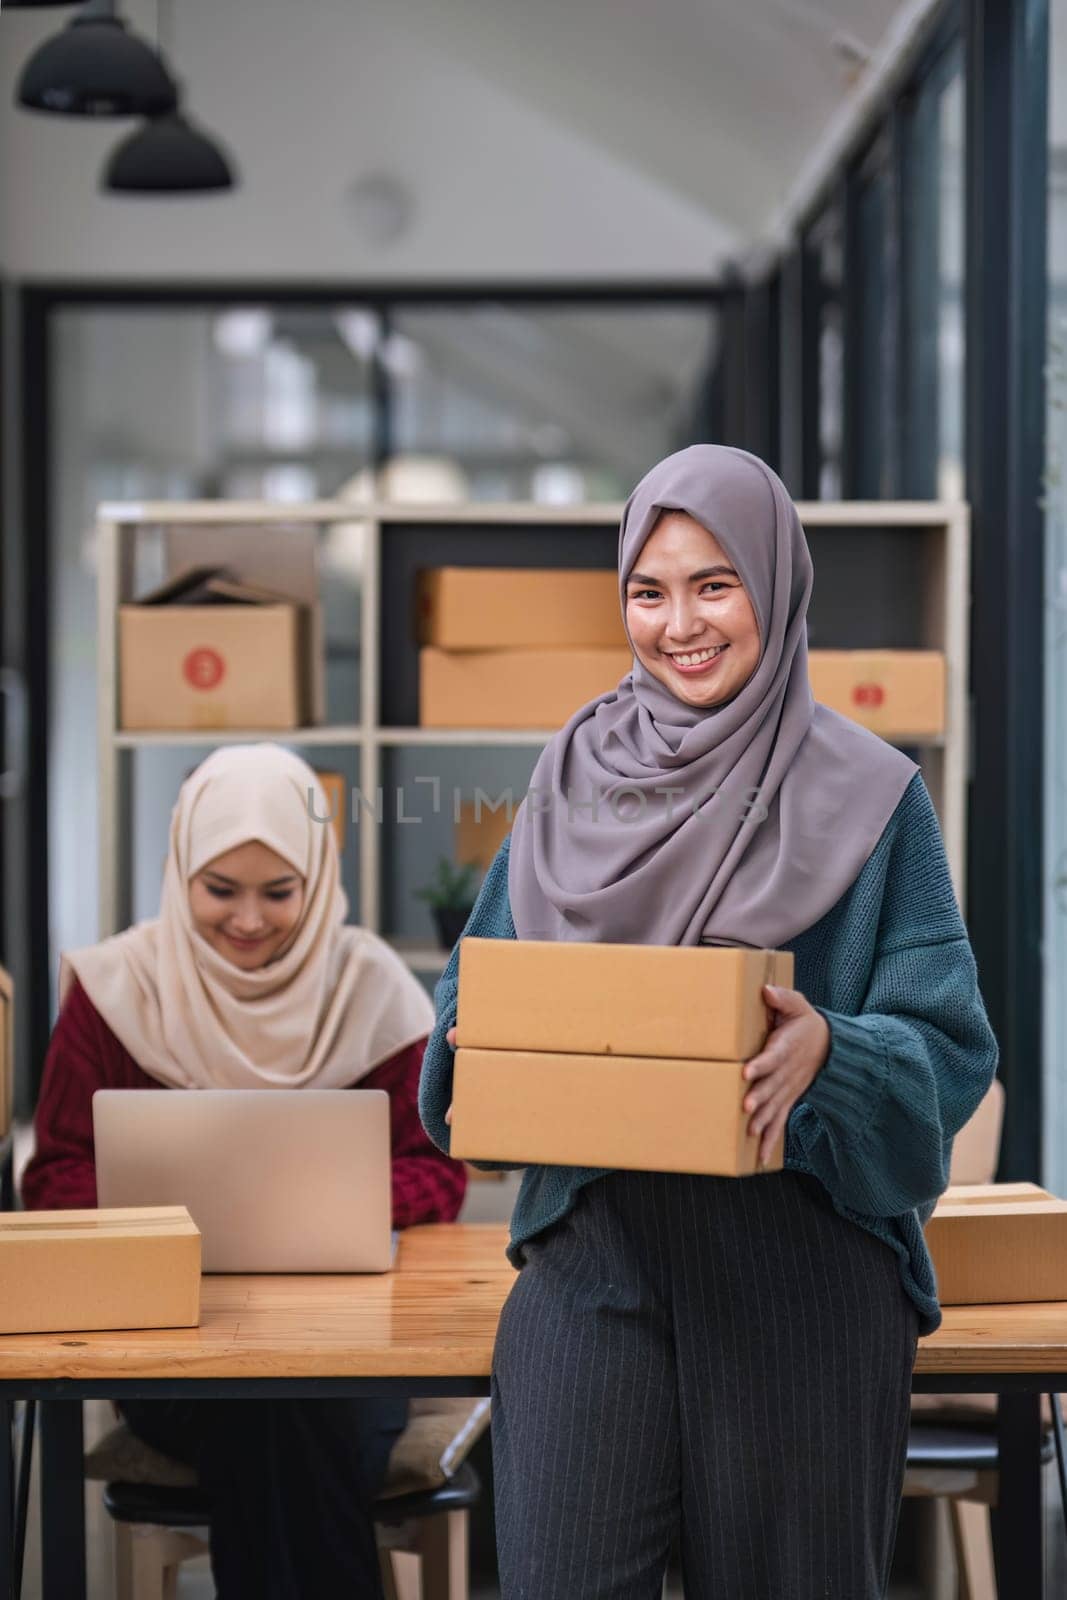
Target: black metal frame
(1007,133)
(38,302)
(4,662)
(918,377)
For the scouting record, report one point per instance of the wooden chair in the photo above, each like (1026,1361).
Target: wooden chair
(952,1449)
(160,1515)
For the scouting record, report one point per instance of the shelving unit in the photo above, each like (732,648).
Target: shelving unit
(910,559)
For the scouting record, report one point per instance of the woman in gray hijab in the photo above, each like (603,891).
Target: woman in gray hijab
(726,1363)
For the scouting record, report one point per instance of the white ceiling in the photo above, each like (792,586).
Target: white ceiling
(555,138)
(722,101)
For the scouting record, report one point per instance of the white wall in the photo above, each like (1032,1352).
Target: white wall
(310,98)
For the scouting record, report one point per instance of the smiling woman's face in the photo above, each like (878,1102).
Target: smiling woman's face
(690,618)
(246,903)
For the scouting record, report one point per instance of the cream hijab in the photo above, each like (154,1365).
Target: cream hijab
(334,1004)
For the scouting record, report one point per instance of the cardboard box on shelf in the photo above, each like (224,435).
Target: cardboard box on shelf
(513,688)
(281,558)
(508,608)
(480,832)
(7,1052)
(205,651)
(631,1112)
(335,786)
(896,693)
(700,1002)
(75,1271)
(995,1243)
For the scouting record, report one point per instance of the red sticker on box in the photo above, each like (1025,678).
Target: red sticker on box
(868,694)
(203,668)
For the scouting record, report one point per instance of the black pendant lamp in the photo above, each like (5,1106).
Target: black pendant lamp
(168,155)
(96,68)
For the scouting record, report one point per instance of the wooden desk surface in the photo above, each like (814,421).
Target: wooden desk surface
(434,1315)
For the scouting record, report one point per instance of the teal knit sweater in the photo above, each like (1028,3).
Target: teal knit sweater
(911,1052)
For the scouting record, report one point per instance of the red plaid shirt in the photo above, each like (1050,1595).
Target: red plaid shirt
(84,1055)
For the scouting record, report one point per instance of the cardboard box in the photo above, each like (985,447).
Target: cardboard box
(75,1271)
(513,688)
(480,832)
(213,665)
(627,1112)
(994,1243)
(281,557)
(7,1052)
(508,608)
(335,785)
(896,693)
(699,1002)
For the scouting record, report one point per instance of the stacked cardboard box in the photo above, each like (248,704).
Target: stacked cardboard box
(512,647)
(993,1243)
(899,694)
(73,1271)
(620,1056)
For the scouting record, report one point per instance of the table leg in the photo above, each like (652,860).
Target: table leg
(62,1500)
(7,1499)
(1018,1525)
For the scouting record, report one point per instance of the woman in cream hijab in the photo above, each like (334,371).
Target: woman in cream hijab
(250,978)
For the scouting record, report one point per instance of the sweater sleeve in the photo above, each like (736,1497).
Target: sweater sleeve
(83,1056)
(490,919)
(905,1074)
(427,1185)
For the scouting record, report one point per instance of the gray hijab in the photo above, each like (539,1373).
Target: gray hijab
(650,821)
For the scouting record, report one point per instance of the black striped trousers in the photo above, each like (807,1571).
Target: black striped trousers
(726,1361)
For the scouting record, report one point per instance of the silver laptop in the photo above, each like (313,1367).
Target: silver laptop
(277,1180)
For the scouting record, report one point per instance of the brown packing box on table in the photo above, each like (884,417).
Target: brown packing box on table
(75,1271)
(513,688)
(895,693)
(701,1002)
(213,665)
(630,1112)
(994,1243)
(7,1052)
(506,608)
(480,833)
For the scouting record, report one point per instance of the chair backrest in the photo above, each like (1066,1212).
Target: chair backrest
(977,1145)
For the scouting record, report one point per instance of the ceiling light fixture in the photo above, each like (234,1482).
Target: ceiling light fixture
(168,155)
(96,68)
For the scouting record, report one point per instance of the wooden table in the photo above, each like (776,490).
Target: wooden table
(428,1328)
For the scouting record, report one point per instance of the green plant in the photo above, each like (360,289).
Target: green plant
(452,887)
